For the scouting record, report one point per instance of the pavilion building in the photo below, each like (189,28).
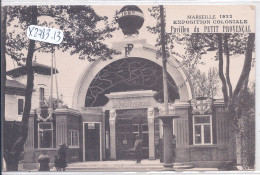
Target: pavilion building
(117,99)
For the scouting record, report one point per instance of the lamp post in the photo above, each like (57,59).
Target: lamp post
(166,118)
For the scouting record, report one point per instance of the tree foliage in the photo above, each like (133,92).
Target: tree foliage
(195,45)
(84,31)
(84,34)
(246,126)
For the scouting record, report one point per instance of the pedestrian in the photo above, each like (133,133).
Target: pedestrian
(44,160)
(62,152)
(138,149)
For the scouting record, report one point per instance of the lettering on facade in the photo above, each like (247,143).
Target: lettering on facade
(131,104)
(130,13)
(128,49)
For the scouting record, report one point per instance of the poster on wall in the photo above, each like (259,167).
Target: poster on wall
(90,87)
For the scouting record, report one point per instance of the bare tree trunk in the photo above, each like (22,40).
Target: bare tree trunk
(246,68)
(230,91)
(221,73)
(30,78)
(3,73)
(17,148)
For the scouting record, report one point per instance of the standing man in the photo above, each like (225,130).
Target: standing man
(62,152)
(138,149)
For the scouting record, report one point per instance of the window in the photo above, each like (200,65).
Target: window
(41,94)
(73,138)
(202,129)
(45,135)
(20,106)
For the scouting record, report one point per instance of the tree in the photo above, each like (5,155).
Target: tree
(228,44)
(246,129)
(88,43)
(223,44)
(197,44)
(3,70)
(12,151)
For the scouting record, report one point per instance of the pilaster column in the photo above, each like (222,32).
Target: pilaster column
(112,124)
(167,133)
(150,118)
(167,138)
(61,129)
(103,137)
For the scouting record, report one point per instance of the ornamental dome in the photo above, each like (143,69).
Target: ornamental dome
(130,19)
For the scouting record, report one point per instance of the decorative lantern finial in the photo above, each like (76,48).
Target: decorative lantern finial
(130,19)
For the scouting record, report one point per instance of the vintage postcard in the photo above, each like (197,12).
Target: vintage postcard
(128,88)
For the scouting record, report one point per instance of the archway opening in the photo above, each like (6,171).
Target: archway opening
(129,74)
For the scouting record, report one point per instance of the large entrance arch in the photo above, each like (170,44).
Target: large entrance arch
(129,93)
(92,70)
(129,74)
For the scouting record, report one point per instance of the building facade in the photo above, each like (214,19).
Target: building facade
(117,99)
(105,118)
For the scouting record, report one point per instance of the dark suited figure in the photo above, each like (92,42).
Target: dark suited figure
(62,152)
(138,149)
(44,160)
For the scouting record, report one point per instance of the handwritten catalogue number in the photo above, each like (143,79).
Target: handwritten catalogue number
(44,34)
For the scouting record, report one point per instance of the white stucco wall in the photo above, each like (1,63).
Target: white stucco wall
(11,103)
(40,81)
(11,107)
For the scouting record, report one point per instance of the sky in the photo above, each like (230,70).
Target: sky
(70,67)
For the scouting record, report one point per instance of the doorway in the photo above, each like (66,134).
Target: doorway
(130,123)
(92,141)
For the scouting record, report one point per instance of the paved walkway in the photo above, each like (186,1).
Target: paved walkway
(131,166)
(127,166)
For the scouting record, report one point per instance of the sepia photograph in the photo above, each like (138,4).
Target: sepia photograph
(127,88)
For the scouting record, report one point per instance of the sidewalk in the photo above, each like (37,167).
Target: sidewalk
(128,166)
(131,166)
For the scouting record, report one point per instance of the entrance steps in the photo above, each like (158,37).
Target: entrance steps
(124,165)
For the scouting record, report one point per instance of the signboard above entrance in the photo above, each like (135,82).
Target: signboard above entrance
(131,100)
(91,125)
(131,104)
